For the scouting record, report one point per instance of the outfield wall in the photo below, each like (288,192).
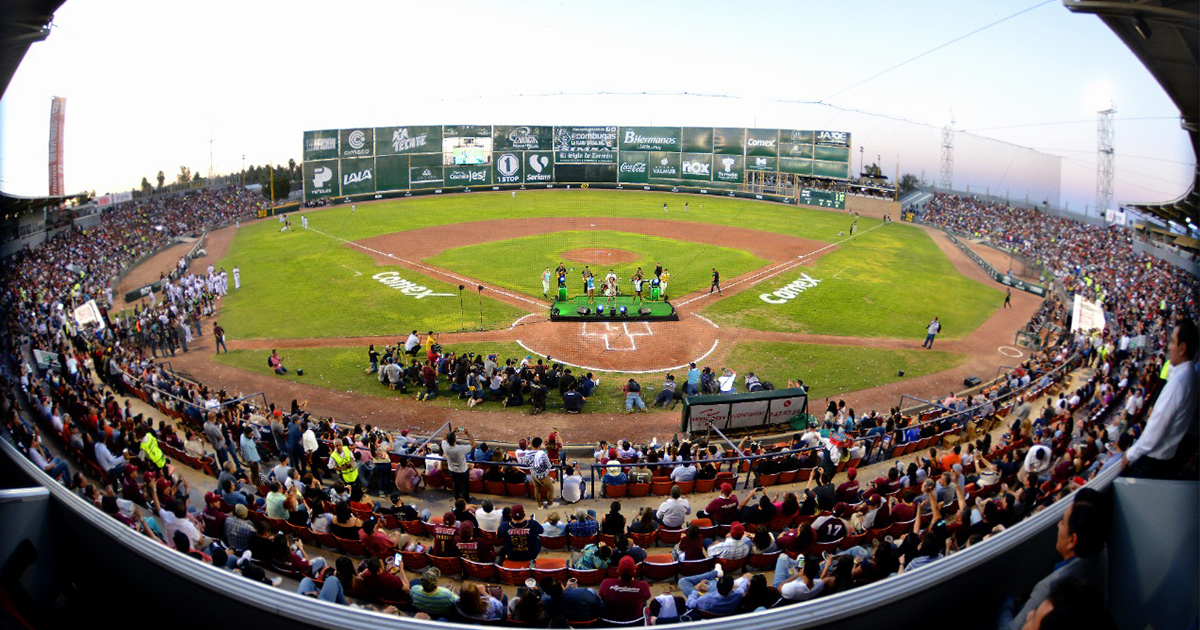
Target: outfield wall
(360,163)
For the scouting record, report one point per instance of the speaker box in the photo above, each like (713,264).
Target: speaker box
(299,372)
(583,310)
(971,381)
(644,311)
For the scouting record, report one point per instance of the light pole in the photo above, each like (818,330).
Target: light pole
(243,169)
(862,166)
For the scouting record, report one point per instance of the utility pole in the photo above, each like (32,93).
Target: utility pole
(1104,160)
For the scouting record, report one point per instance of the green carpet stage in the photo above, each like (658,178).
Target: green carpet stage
(569,310)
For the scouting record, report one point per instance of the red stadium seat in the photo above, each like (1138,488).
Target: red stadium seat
(553,542)
(644,541)
(482,571)
(660,567)
(668,536)
(579,542)
(688,568)
(514,572)
(763,561)
(704,485)
(448,566)
(588,577)
(550,567)
(639,489)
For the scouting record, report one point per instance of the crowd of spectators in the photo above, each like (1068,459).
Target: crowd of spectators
(281,465)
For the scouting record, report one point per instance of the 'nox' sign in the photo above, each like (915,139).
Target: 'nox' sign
(790,291)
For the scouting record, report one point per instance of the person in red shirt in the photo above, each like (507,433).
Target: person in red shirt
(470,547)
(443,537)
(624,596)
(379,583)
(848,492)
(723,509)
(376,541)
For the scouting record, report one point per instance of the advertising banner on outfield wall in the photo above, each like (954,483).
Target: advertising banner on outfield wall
(320,145)
(795,136)
(650,139)
(425,177)
(832,138)
(467,131)
(728,168)
(796,150)
(509,167)
(696,166)
(585,145)
(832,154)
(391,172)
(729,141)
(764,142)
(697,139)
(358,176)
(468,175)
(759,163)
(664,165)
(634,167)
(795,166)
(411,139)
(321,179)
(357,142)
(539,167)
(522,137)
(839,170)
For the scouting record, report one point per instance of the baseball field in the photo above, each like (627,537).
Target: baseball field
(801,298)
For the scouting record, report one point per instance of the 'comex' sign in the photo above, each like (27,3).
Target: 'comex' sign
(407,287)
(790,291)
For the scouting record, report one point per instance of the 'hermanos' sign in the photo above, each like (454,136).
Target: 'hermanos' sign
(407,287)
(790,291)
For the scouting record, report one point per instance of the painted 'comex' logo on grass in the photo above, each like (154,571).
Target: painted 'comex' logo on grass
(407,287)
(790,291)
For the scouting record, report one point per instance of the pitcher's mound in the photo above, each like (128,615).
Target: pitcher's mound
(599,256)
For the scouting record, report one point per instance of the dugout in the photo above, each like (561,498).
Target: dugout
(743,412)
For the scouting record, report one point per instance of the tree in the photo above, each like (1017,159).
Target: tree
(196,177)
(146,187)
(161,178)
(908,183)
(184,176)
(292,167)
(283,185)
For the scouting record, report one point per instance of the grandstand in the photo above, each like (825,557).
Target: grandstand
(907,514)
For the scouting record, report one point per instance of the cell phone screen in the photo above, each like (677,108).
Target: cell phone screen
(396,560)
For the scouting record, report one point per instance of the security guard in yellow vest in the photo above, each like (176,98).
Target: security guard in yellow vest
(343,461)
(149,448)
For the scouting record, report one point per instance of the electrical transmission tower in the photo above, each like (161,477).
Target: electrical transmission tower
(1104,160)
(947,182)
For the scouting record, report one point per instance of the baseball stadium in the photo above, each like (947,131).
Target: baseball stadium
(670,366)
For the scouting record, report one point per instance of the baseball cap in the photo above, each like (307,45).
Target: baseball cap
(210,497)
(841,508)
(725,487)
(852,473)
(737,529)
(517,512)
(614,470)
(240,511)
(626,567)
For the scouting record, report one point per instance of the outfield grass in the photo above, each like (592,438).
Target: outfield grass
(517,264)
(828,370)
(889,282)
(834,370)
(301,284)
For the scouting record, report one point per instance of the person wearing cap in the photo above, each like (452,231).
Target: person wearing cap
(470,547)
(430,598)
(443,537)
(519,536)
(735,546)
(614,476)
(832,527)
(624,596)
(724,508)
(848,492)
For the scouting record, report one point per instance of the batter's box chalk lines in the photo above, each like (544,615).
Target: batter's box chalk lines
(618,331)
(771,272)
(430,269)
(613,371)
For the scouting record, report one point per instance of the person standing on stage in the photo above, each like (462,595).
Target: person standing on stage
(546,282)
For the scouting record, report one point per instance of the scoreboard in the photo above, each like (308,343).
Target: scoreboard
(823,198)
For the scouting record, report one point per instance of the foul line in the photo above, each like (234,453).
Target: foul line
(710,322)
(769,273)
(596,369)
(430,269)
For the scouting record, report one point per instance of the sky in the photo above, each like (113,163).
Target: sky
(154,86)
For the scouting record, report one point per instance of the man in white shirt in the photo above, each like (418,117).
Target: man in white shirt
(673,512)
(727,380)
(684,472)
(488,516)
(572,485)
(1163,441)
(413,344)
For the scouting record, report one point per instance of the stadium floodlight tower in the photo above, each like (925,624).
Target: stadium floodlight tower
(1104,159)
(947,182)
